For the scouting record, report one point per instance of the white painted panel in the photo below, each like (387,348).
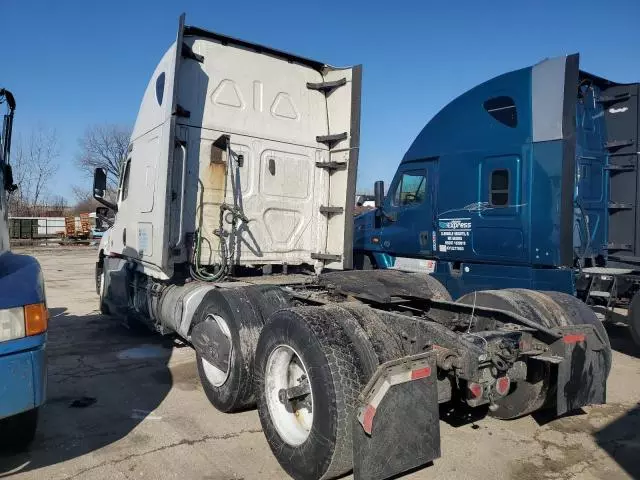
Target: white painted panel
(146,159)
(280,206)
(414,265)
(262,101)
(240,91)
(145,239)
(286,174)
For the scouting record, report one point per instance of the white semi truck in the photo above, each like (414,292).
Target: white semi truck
(233,231)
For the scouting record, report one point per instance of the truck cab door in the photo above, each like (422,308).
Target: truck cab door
(408,215)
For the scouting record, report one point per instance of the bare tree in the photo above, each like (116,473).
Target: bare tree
(34,163)
(56,206)
(80,194)
(103,146)
(84,201)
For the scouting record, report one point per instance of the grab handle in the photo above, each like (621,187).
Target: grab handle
(182,187)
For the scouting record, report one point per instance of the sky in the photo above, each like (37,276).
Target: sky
(72,64)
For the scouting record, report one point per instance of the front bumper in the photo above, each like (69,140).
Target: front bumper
(23,375)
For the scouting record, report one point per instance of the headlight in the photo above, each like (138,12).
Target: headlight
(24,321)
(11,323)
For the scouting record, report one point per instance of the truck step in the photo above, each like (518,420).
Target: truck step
(326,87)
(614,98)
(620,168)
(331,210)
(620,206)
(332,165)
(326,256)
(599,294)
(607,270)
(331,139)
(615,144)
(619,246)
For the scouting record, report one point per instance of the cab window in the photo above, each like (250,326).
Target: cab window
(499,194)
(124,187)
(411,188)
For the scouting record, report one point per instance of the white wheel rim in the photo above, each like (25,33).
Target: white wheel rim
(216,376)
(293,419)
(102,277)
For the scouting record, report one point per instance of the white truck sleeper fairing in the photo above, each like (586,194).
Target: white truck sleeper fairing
(268,138)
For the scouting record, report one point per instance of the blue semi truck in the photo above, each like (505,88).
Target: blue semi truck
(528,180)
(23,319)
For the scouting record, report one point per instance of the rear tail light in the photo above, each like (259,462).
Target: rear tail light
(475,389)
(502,385)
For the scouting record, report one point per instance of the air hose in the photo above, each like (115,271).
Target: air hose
(227,252)
(587,246)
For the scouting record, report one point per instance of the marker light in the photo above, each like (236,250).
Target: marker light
(36,318)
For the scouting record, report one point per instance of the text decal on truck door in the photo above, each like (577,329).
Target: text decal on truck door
(454,234)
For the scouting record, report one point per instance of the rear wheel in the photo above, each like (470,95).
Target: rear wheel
(18,431)
(225,336)
(550,309)
(226,328)
(580,313)
(307,385)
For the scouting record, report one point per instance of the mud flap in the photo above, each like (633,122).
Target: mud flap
(397,424)
(582,374)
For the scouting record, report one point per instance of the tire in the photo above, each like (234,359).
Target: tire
(431,284)
(373,331)
(232,390)
(102,306)
(267,299)
(18,431)
(319,447)
(351,321)
(580,313)
(98,277)
(383,284)
(633,318)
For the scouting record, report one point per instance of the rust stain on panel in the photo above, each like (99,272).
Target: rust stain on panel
(212,175)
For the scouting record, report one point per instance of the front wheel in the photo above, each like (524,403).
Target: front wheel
(100,274)
(307,387)
(18,431)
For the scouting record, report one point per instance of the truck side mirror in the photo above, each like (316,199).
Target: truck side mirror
(101,218)
(9,186)
(99,183)
(100,188)
(378,193)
